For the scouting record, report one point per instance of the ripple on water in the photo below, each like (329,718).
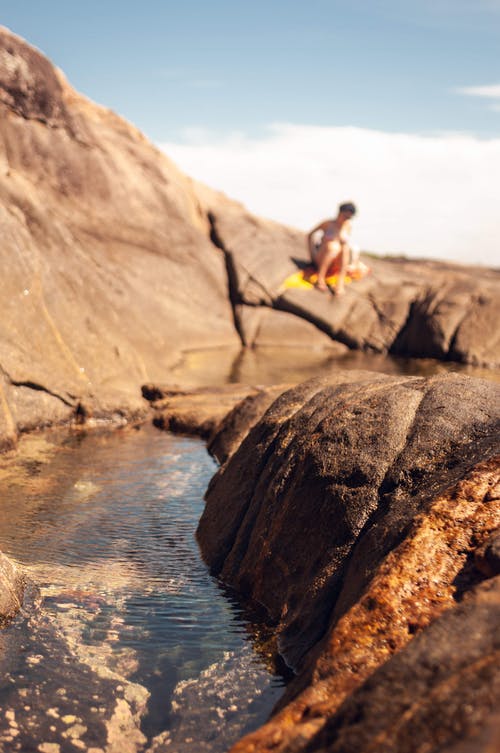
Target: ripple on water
(130,613)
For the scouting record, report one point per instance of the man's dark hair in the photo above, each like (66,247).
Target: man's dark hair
(348,207)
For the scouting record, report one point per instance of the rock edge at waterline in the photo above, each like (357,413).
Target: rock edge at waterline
(363,512)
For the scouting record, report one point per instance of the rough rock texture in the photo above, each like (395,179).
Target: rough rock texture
(111,272)
(357,511)
(12,585)
(443,687)
(230,432)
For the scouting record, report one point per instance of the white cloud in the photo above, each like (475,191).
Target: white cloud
(431,196)
(490,91)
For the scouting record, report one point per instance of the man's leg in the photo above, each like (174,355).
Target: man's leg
(344,261)
(326,257)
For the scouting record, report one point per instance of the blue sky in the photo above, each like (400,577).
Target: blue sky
(384,64)
(215,81)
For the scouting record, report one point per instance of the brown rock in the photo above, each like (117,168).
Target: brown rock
(197,411)
(234,427)
(487,556)
(261,327)
(457,320)
(416,308)
(444,687)
(12,584)
(111,272)
(352,511)
(412,586)
(318,470)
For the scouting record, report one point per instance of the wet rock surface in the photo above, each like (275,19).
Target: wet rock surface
(356,511)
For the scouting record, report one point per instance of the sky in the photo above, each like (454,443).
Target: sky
(293,107)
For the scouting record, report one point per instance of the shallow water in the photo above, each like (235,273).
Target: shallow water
(278,365)
(135,646)
(105,525)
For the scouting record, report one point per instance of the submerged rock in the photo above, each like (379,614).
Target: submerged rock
(55,701)
(210,711)
(356,511)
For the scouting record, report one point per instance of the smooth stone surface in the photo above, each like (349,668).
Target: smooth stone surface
(108,254)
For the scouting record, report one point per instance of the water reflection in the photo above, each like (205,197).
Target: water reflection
(283,365)
(108,533)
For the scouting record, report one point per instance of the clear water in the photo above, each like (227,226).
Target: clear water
(136,649)
(130,615)
(286,364)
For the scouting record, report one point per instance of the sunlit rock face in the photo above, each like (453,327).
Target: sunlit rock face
(417,308)
(109,271)
(115,263)
(363,511)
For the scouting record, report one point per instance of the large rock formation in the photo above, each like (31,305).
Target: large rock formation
(115,263)
(109,271)
(362,511)
(417,308)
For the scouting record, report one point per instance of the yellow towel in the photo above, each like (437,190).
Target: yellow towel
(308,277)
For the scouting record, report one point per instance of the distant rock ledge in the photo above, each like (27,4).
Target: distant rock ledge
(363,512)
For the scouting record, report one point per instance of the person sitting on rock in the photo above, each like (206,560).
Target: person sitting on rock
(333,254)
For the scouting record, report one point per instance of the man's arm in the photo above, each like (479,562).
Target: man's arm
(321,226)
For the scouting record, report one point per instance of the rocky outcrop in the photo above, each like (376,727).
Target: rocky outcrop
(361,511)
(417,308)
(110,271)
(117,263)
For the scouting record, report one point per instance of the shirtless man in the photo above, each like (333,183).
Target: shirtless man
(333,253)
